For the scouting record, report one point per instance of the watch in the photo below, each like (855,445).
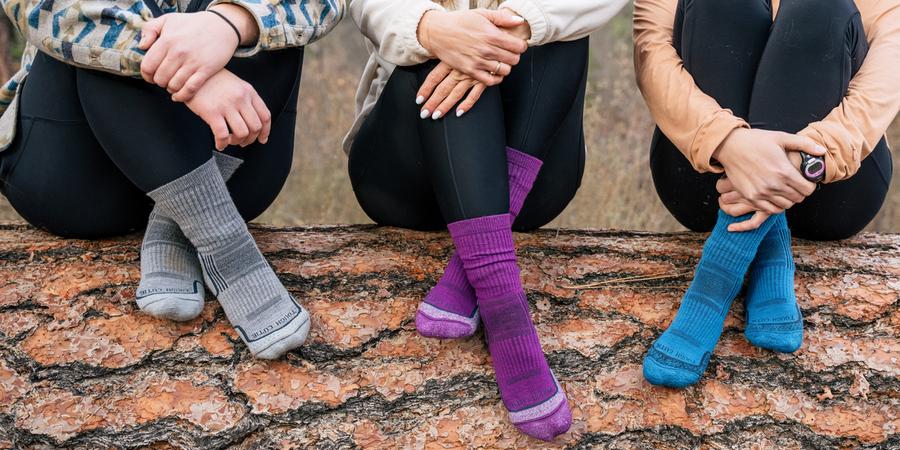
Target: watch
(812,167)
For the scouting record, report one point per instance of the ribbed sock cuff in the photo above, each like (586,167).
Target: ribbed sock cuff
(227,164)
(478,225)
(523,171)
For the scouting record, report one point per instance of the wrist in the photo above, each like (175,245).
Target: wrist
(723,151)
(423,32)
(242,20)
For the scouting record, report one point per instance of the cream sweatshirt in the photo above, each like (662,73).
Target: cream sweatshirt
(391,26)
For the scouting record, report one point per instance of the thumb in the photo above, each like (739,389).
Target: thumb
(504,18)
(150,32)
(798,143)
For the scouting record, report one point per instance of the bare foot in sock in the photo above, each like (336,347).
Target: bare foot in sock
(266,316)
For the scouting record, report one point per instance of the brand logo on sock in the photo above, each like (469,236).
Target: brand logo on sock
(273,327)
(168,290)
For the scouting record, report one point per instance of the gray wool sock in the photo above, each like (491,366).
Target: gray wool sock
(171,286)
(265,315)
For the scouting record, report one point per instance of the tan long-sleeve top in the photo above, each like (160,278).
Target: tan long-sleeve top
(697,124)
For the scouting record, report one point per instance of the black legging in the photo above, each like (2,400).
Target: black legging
(779,76)
(89,145)
(422,174)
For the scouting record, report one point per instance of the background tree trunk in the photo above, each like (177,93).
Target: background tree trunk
(7,43)
(81,367)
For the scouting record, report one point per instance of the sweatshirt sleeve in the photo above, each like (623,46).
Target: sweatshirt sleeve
(569,20)
(288,23)
(99,35)
(852,130)
(692,120)
(392,26)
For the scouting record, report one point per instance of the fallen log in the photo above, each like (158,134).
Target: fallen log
(81,367)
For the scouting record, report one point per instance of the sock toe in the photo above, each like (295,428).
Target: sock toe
(178,309)
(658,373)
(550,426)
(783,342)
(291,337)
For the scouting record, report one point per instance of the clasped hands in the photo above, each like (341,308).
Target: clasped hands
(762,174)
(477,48)
(187,54)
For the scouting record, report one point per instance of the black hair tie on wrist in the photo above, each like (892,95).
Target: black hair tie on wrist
(230,23)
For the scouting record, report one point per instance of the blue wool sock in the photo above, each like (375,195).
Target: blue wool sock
(680,355)
(774,320)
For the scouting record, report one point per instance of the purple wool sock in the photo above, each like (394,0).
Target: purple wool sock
(449,311)
(536,401)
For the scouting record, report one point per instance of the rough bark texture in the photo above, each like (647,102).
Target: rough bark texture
(81,367)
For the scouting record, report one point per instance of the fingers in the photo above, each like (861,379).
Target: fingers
(732,197)
(433,79)
(503,18)
(736,209)
(239,130)
(220,132)
(191,86)
(150,32)
(152,61)
(455,96)
(178,80)
(765,206)
(484,75)
(471,99)
(724,185)
(781,202)
(253,122)
(167,69)
(437,97)
(265,117)
(750,224)
(800,143)
(801,185)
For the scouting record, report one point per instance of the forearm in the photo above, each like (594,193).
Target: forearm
(283,24)
(691,119)
(67,32)
(554,20)
(852,130)
(393,26)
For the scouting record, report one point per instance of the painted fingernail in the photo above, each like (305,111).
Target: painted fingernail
(459,113)
(518,19)
(420,99)
(437,115)
(424,113)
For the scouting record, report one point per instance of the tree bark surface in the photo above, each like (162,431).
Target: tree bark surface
(81,367)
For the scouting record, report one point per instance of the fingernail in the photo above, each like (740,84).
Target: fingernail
(437,115)
(518,19)
(420,99)
(821,149)
(459,113)
(424,113)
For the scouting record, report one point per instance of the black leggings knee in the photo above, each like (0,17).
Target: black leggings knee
(777,76)
(90,144)
(422,174)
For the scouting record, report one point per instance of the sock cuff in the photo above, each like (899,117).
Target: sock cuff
(523,160)
(479,225)
(227,164)
(204,175)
